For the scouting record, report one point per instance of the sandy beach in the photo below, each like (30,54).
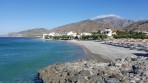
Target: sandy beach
(107,51)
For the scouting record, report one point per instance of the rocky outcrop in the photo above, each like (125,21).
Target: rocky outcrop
(128,70)
(138,26)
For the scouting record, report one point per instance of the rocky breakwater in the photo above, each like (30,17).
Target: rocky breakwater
(127,70)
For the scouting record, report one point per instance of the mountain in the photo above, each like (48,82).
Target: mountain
(138,26)
(90,25)
(84,26)
(37,32)
(115,20)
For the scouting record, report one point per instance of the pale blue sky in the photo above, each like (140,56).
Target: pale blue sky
(18,15)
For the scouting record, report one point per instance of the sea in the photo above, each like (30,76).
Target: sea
(21,58)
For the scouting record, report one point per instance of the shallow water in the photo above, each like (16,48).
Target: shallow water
(20,58)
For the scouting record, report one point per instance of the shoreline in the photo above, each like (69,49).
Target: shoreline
(107,52)
(119,69)
(93,56)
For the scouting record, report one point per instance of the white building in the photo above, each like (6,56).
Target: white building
(50,34)
(108,32)
(72,33)
(145,32)
(85,33)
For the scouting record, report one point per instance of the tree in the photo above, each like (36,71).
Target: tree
(130,34)
(47,37)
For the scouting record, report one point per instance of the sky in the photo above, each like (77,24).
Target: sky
(19,15)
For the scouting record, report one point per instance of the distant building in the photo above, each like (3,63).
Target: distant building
(50,34)
(60,34)
(145,32)
(85,33)
(108,32)
(71,33)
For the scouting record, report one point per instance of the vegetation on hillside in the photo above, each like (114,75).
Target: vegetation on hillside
(95,36)
(130,34)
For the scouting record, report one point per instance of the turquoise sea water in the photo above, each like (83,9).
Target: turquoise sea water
(21,58)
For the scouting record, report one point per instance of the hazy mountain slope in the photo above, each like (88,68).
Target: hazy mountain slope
(114,20)
(138,26)
(84,26)
(30,33)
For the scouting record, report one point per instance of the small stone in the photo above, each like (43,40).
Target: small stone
(131,75)
(82,80)
(111,64)
(55,81)
(62,81)
(136,78)
(85,73)
(124,72)
(122,59)
(134,59)
(73,79)
(115,71)
(123,66)
(132,81)
(118,64)
(93,77)
(117,76)
(95,81)
(145,81)
(128,59)
(111,80)
(146,73)
(126,81)
(118,60)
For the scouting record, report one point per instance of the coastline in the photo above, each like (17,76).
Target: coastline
(119,69)
(88,52)
(107,52)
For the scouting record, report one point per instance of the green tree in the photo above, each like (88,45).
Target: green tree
(47,37)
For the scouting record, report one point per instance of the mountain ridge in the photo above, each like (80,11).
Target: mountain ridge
(114,20)
(105,16)
(84,26)
(90,25)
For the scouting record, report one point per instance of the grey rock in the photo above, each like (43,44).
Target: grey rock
(132,81)
(94,77)
(124,72)
(73,79)
(146,73)
(131,75)
(128,70)
(62,81)
(82,80)
(111,80)
(117,76)
(85,73)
